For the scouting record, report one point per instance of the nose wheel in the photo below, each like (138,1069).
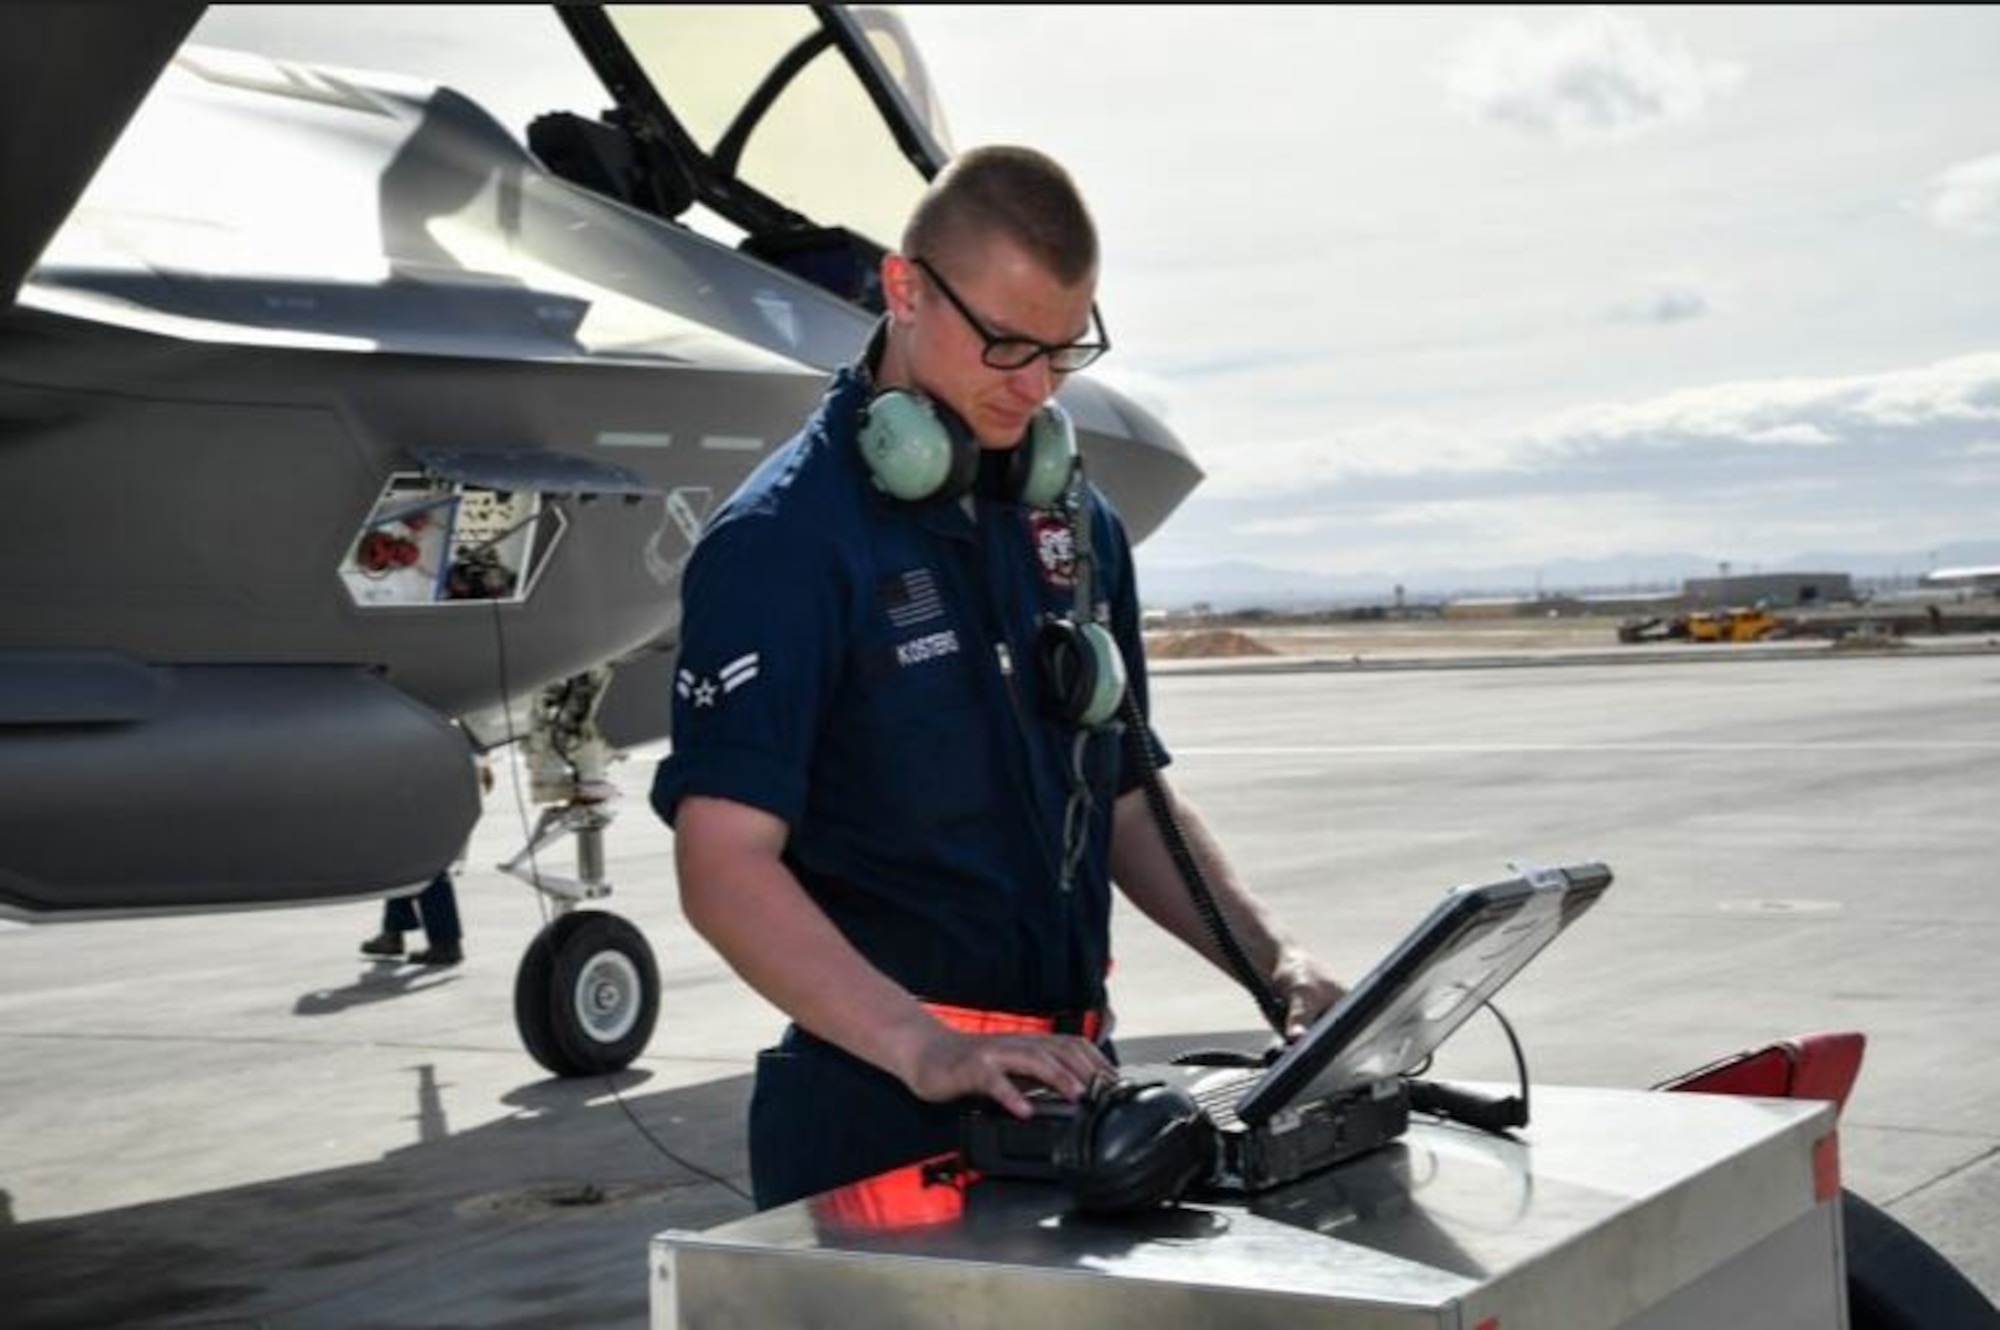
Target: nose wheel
(587,994)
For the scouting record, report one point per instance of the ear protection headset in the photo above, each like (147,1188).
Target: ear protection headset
(1082,669)
(918,450)
(1134,1145)
(1083,672)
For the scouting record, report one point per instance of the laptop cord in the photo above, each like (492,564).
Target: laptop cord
(1485,1112)
(542,902)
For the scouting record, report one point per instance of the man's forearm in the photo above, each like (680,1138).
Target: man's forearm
(756,915)
(762,922)
(1145,871)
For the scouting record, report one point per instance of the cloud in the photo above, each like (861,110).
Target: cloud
(1966,198)
(1945,409)
(1294,524)
(1666,302)
(1783,412)
(1790,436)
(1765,469)
(1602,75)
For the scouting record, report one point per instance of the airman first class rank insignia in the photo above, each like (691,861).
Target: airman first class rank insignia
(706,691)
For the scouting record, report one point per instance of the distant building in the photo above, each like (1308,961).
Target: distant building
(1776,590)
(1562,606)
(1971,578)
(1488,607)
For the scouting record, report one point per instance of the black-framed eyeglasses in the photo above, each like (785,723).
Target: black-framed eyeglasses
(1011,352)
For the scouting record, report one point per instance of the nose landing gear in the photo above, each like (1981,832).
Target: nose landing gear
(587,992)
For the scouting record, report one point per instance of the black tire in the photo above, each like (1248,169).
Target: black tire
(587,994)
(1897,1281)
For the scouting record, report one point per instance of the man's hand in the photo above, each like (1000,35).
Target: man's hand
(1306,989)
(952,1065)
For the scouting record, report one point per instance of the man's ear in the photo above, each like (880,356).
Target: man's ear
(899,287)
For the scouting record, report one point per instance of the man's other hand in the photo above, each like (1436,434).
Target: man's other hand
(953,1065)
(1306,989)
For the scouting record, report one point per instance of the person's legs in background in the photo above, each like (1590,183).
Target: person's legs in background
(438,904)
(399,916)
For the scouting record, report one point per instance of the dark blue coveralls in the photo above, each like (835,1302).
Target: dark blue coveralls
(865,670)
(436,907)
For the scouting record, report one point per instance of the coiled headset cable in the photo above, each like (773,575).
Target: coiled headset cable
(1139,750)
(1088,615)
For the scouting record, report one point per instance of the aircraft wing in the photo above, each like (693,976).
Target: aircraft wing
(398,422)
(348,430)
(70,77)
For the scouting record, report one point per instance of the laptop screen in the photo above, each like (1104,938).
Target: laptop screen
(1471,943)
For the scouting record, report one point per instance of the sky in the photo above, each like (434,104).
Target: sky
(1446,289)
(1429,288)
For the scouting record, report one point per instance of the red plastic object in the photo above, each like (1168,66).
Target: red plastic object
(918,1195)
(1811,1066)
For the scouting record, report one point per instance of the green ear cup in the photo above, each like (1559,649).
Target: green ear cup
(1051,453)
(906,446)
(1083,672)
(1109,676)
(916,452)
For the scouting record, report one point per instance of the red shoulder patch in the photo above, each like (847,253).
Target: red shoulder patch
(1055,547)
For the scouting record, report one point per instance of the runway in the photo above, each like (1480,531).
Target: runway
(236,1121)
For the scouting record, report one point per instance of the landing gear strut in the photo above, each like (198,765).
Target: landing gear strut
(587,991)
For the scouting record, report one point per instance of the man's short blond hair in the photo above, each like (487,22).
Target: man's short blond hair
(1013,193)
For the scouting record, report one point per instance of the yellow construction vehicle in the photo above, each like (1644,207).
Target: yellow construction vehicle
(1732,625)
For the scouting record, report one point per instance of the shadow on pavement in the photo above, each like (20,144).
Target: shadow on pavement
(542,1219)
(379,982)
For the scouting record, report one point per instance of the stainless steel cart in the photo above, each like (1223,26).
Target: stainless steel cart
(1615,1208)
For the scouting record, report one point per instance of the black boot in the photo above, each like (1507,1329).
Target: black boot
(438,953)
(387,943)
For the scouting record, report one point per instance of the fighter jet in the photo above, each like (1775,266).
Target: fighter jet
(347,434)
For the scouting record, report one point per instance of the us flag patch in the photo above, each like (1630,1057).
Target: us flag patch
(912,598)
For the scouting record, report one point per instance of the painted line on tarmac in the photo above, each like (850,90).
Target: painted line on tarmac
(1307,751)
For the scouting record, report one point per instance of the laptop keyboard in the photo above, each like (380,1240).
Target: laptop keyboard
(1217,1096)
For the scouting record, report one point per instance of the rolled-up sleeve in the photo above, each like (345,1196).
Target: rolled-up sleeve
(1109,536)
(763,624)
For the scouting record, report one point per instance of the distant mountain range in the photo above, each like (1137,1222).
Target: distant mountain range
(1239,585)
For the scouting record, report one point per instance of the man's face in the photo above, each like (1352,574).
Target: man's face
(1010,295)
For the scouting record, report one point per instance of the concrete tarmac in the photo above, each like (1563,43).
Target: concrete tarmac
(237,1121)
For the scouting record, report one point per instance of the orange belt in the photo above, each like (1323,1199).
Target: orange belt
(972,1020)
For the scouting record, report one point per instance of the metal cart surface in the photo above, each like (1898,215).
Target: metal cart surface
(1615,1208)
